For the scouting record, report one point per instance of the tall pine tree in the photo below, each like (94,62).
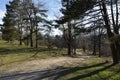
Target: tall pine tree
(9,30)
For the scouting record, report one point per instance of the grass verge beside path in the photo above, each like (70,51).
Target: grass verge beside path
(92,69)
(13,54)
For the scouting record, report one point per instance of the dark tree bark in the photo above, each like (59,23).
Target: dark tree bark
(28,36)
(113,46)
(20,36)
(36,45)
(27,41)
(31,38)
(114,53)
(74,46)
(99,43)
(69,39)
(20,40)
(94,44)
(94,49)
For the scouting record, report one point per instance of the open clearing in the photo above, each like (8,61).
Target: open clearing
(18,63)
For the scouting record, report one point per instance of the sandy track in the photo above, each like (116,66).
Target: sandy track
(44,64)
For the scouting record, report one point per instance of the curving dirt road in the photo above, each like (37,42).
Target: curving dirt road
(45,69)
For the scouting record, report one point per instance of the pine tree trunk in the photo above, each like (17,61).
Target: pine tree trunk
(99,42)
(94,44)
(20,40)
(118,49)
(31,38)
(99,46)
(75,46)
(69,50)
(114,53)
(20,33)
(27,43)
(28,36)
(36,45)
(94,49)
(69,39)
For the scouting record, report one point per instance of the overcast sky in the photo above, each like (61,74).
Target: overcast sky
(53,7)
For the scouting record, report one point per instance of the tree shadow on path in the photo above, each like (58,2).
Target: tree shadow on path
(90,73)
(53,74)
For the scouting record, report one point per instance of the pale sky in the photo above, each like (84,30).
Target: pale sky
(52,6)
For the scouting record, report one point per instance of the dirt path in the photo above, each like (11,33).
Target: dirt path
(32,67)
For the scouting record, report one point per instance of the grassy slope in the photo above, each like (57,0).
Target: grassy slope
(93,69)
(11,53)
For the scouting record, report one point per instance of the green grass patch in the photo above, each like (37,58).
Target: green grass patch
(92,69)
(12,53)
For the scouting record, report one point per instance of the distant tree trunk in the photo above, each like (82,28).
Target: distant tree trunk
(31,38)
(99,45)
(20,33)
(49,43)
(36,45)
(84,46)
(94,49)
(27,41)
(28,36)
(75,46)
(36,28)
(31,31)
(69,39)
(20,36)
(99,42)
(75,39)
(20,40)
(94,44)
